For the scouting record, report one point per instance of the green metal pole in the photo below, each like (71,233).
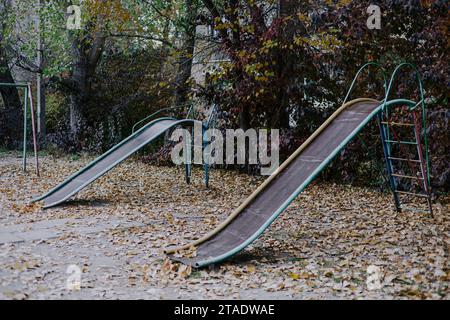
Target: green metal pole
(206,161)
(187,140)
(383,73)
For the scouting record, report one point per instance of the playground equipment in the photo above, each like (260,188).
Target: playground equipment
(275,194)
(137,140)
(390,136)
(28,100)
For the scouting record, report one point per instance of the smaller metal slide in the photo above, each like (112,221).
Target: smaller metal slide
(255,215)
(110,159)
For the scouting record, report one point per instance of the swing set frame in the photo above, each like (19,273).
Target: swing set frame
(27,102)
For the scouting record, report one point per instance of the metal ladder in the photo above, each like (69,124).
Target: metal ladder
(390,137)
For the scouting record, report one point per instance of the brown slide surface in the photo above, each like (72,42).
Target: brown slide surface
(280,189)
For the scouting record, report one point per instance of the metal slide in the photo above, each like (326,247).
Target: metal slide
(110,159)
(255,215)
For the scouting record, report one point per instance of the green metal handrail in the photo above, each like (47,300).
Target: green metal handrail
(154,114)
(383,72)
(190,113)
(17,85)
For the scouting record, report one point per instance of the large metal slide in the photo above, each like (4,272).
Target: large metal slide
(265,204)
(110,159)
(250,220)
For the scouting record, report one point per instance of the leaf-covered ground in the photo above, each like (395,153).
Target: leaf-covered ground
(321,247)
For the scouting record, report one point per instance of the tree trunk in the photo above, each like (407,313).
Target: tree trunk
(186,57)
(285,64)
(11,114)
(86,55)
(79,92)
(244,119)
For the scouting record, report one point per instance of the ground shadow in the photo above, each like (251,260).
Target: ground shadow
(86,203)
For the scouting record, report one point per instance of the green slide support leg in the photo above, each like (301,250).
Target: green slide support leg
(206,160)
(187,156)
(389,167)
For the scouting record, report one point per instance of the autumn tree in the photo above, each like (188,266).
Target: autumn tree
(411,31)
(188,23)
(269,45)
(86,47)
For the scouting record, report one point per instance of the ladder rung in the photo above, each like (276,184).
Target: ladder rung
(401,142)
(407,177)
(398,124)
(403,159)
(412,194)
(415,209)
